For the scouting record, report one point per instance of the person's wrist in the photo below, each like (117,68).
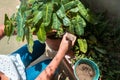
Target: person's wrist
(63,49)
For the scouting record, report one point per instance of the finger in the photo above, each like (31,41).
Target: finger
(71,38)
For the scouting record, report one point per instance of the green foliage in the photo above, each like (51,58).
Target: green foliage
(41,33)
(83,45)
(56,23)
(9,25)
(42,16)
(102,48)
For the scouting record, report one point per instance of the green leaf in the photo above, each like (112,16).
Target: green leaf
(37,17)
(66,21)
(47,13)
(70,5)
(83,45)
(9,28)
(86,14)
(71,29)
(75,10)
(65,1)
(35,7)
(80,21)
(56,23)
(31,1)
(20,26)
(41,34)
(103,51)
(61,12)
(23,6)
(29,38)
(79,30)
(7,25)
(79,25)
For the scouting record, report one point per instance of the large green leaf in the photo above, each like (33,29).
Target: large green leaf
(82,45)
(80,21)
(66,21)
(8,26)
(37,17)
(85,13)
(56,23)
(61,12)
(29,38)
(20,25)
(41,34)
(79,25)
(70,5)
(79,30)
(47,13)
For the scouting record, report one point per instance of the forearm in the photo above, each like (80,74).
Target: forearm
(66,43)
(51,68)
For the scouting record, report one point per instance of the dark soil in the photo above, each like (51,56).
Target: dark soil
(84,72)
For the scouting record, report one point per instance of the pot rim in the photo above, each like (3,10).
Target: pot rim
(90,63)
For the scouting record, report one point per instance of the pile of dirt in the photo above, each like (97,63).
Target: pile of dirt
(85,72)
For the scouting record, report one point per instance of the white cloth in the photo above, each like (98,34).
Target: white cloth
(12,67)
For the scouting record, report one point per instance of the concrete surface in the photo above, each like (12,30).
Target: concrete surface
(9,45)
(8,7)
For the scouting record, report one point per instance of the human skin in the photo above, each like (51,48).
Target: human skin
(50,69)
(47,74)
(3,76)
(1,31)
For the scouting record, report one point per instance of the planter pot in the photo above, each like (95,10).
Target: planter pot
(53,43)
(86,69)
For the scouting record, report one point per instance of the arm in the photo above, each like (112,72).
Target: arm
(1,31)
(50,69)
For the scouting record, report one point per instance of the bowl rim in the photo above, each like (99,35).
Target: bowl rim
(90,63)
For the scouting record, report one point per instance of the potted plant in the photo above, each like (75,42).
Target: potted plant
(52,18)
(41,17)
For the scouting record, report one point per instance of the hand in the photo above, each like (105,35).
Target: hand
(3,76)
(67,42)
(1,31)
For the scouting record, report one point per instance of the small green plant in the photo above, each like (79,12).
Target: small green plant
(42,16)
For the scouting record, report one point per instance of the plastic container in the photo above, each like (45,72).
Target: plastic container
(91,64)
